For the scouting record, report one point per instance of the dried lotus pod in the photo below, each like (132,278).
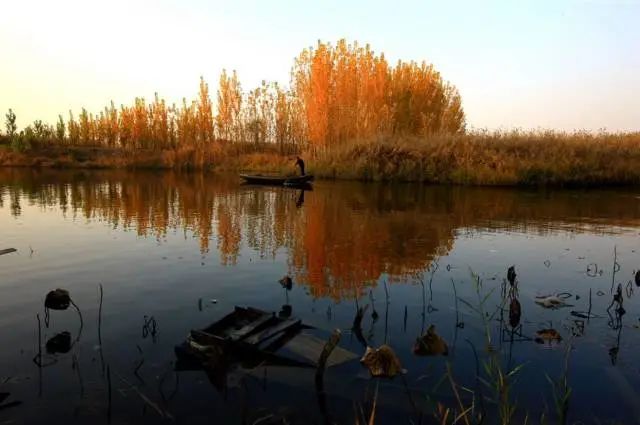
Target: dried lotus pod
(430,344)
(58,299)
(286,282)
(382,362)
(515,312)
(511,275)
(547,335)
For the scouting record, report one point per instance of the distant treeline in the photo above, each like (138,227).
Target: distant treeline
(347,109)
(338,93)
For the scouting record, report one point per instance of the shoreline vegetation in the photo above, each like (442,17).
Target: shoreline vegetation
(491,159)
(348,112)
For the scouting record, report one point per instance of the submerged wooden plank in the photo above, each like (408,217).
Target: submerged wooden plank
(272,331)
(249,328)
(239,317)
(205,338)
(310,347)
(7,251)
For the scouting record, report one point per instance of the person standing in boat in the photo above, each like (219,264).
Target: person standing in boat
(300,163)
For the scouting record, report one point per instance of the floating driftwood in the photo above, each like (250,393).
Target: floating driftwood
(7,251)
(551,301)
(584,314)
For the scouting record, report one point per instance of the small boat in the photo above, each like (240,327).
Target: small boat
(244,332)
(245,326)
(251,337)
(277,180)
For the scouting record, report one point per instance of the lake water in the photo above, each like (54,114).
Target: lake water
(180,251)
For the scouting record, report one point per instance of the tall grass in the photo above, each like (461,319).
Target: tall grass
(490,158)
(347,110)
(475,158)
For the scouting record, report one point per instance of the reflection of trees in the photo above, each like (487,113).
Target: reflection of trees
(344,236)
(345,243)
(229,234)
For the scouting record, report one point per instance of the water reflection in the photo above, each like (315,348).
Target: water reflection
(338,238)
(348,246)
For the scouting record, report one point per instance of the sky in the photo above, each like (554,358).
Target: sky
(560,64)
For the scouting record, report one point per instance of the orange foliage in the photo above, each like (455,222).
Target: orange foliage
(350,93)
(339,93)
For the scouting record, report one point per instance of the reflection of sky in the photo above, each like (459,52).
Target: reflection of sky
(144,276)
(68,241)
(568,256)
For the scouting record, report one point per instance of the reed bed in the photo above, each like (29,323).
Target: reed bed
(476,158)
(490,158)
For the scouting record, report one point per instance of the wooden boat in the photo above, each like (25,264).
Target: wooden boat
(245,326)
(252,337)
(277,180)
(245,334)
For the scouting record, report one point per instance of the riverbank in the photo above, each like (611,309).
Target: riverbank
(515,158)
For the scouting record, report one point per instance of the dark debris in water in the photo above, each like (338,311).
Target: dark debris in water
(57,299)
(4,396)
(515,312)
(382,362)
(7,251)
(430,344)
(547,335)
(584,315)
(60,343)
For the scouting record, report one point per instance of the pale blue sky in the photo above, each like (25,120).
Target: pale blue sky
(548,64)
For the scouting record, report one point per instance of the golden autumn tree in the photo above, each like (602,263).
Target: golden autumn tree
(111,114)
(348,92)
(140,134)
(453,119)
(251,119)
(86,133)
(159,123)
(338,93)
(185,123)
(125,127)
(73,129)
(229,105)
(283,116)
(314,87)
(204,111)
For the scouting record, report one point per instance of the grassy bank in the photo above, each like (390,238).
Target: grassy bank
(514,158)
(492,159)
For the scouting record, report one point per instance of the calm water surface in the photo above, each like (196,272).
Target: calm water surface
(166,246)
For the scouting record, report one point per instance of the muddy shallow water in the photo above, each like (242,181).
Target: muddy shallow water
(180,251)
